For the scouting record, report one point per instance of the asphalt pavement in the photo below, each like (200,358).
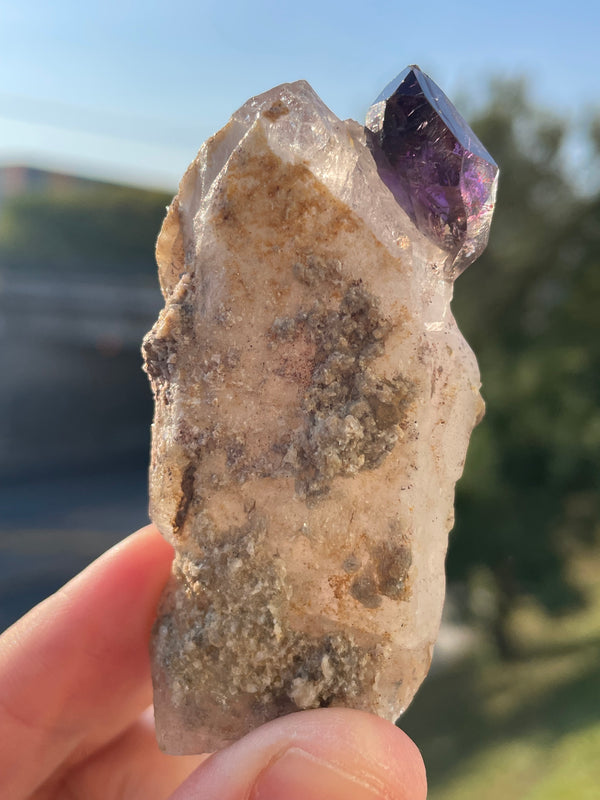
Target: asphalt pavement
(53,526)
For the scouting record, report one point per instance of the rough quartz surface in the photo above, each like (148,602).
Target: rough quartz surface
(314,401)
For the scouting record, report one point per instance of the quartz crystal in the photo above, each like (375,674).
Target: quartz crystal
(314,401)
(435,166)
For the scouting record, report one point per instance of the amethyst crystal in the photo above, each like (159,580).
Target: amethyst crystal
(434,165)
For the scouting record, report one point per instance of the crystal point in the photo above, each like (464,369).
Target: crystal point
(434,165)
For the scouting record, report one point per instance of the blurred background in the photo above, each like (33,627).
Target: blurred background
(102,106)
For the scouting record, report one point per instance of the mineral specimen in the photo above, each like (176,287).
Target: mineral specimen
(314,401)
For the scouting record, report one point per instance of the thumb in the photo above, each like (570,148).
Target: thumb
(326,754)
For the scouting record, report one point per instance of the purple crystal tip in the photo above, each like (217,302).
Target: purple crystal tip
(434,165)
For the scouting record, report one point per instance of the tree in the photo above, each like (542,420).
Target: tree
(101,228)
(529,307)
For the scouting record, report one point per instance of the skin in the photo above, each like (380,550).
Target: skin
(75,720)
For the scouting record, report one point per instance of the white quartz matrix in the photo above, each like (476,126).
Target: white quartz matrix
(314,401)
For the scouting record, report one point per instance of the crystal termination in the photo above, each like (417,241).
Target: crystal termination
(434,165)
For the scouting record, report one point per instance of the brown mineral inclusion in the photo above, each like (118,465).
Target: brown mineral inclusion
(314,401)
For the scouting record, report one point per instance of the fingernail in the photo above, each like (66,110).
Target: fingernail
(297,775)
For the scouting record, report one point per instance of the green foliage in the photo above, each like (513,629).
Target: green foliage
(529,308)
(524,730)
(102,229)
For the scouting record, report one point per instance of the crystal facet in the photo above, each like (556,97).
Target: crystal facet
(434,165)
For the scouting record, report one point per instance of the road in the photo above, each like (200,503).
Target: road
(50,528)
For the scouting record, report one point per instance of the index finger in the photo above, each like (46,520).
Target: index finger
(75,671)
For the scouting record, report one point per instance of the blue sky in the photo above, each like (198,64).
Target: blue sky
(129,90)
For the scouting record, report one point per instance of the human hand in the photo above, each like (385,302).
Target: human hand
(75,722)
